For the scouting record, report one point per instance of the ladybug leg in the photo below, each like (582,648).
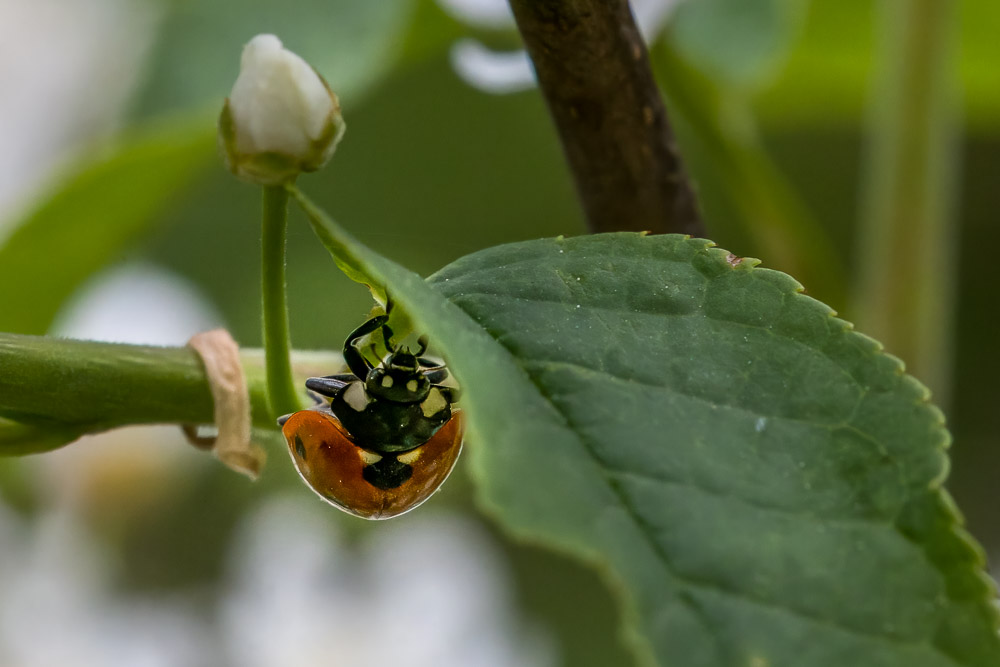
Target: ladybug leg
(330,385)
(430,362)
(352,355)
(436,374)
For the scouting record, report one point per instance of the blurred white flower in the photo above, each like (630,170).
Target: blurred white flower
(137,303)
(486,14)
(492,71)
(67,69)
(281,117)
(425,591)
(429,591)
(508,72)
(58,608)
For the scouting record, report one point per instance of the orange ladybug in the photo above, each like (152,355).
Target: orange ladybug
(386,438)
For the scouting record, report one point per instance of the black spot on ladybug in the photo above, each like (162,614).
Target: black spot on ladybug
(387,473)
(300,448)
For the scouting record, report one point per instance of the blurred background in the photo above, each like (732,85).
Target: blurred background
(119,222)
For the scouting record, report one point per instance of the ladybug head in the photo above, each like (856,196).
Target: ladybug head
(399,378)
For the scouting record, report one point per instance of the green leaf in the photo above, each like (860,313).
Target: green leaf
(105,206)
(741,41)
(762,482)
(431,32)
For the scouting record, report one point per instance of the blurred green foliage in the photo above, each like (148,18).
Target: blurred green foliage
(90,221)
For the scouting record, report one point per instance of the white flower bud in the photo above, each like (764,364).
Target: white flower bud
(281,118)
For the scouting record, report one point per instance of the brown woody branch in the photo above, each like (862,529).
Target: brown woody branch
(594,71)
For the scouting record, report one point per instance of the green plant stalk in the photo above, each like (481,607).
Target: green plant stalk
(281,390)
(88,387)
(904,294)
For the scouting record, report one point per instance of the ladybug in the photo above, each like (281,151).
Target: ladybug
(383,437)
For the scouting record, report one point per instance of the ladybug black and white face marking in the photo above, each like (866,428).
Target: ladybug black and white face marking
(387,437)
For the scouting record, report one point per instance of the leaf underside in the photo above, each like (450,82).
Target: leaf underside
(763,483)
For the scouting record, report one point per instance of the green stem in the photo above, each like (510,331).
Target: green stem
(277,342)
(18,439)
(71,386)
(904,296)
